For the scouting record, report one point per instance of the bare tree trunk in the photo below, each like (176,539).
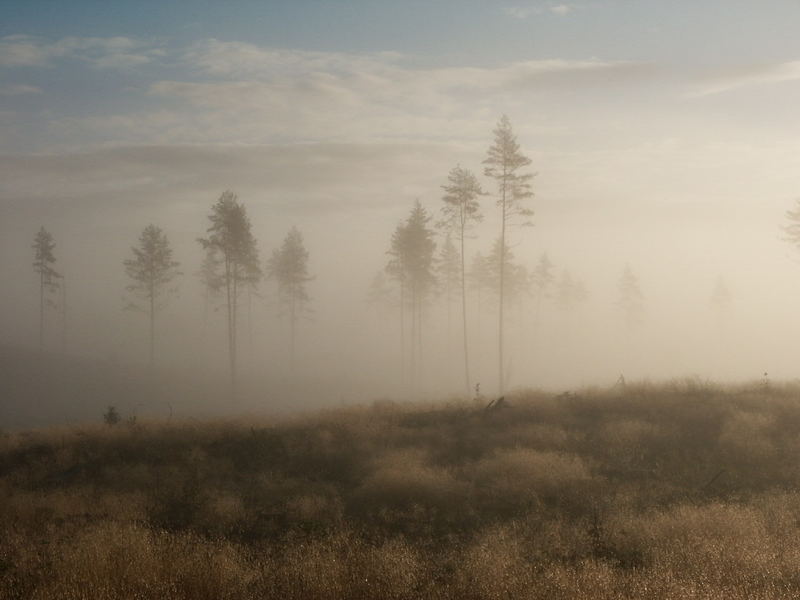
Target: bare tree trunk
(231,344)
(234,330)
(152,328)
(464,315)
(250,352)
(63,316)
(413,338)
(41,311)
(292,320)
(402,334)
(502,288)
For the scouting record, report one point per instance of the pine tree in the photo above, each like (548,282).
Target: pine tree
(631,300)
(211,279)
(503,164)
(570,291)
(412,266)
(289,268)
(230,236)
(151,270)
(500,268)
(720,296)
(542,279)
(460,212)
(448,273)
(43,261)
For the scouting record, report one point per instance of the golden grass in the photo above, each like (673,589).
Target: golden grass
(679,491)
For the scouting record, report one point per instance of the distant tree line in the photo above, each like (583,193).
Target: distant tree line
(414,272)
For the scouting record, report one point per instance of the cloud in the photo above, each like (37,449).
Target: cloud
(524,12)
(234,92)
(321,97)
(18,89)
(749,77)
(111,52)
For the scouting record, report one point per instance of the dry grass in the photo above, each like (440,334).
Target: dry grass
(679,491)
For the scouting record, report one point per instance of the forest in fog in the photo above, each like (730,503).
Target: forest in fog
(450,299)
(530,196)
(462,299)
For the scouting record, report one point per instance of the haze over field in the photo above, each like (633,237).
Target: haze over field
(664,137)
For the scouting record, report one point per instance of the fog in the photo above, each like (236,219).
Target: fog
(680,170)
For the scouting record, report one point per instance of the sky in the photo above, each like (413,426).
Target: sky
(663,135)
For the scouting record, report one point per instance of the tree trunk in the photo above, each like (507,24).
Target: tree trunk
(402,334)
(292,320)
(229,306)
(41,311)
(234,329)
(152,328)
(464,315)
(63,316)
(502,287)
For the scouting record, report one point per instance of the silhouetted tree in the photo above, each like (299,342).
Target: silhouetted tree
(631,300)
(448,273)
(792,228)
(542,279)
(380,294)
(503,164)
(288,266)
(231,237)
(412,266)
(43,246)
(570,291)
(211,278)
(151,270)
(720,296)
(460,212)
(500,267)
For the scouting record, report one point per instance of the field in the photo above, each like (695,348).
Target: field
(681,490)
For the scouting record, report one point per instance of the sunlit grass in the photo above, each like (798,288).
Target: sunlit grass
(684,490)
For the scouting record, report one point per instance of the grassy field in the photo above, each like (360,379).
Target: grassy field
(683,490)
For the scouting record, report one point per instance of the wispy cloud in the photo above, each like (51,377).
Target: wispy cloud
(525,11)
(561,9)
(748,77)
(18,89)
(112,52)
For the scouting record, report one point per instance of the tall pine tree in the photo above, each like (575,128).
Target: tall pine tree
(151,270)
(460,212)
(231,237)
(288,266)
(504,164)
(44,258)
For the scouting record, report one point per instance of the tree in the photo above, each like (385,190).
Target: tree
(231,237)
(631,300)
(211,278)
(720,296)
(289,268)
(448,274)
(380,294)
(43,246)
(542,279)
(412,266)
(570,291)
(460,212)
(792,228)
(500,267)
(151,270)
(503,164)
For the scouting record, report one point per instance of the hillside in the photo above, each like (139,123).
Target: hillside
(684,490)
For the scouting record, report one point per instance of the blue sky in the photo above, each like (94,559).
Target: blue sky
(65,66)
